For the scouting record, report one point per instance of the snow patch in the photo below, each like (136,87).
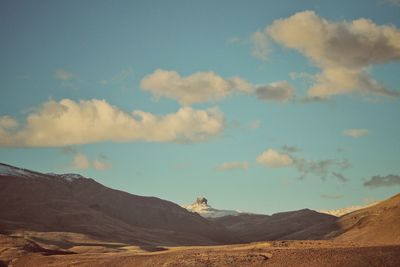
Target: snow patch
(203,209)
(346,210)
(7,170)
(71,176)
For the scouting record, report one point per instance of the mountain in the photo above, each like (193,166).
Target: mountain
(202,208)
(301,224)
(43,205)
(379,224)
(40,202)
(346,210)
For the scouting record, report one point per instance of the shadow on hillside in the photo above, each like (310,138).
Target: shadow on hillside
(153,248)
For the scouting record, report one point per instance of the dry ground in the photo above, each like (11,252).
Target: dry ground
(19,251)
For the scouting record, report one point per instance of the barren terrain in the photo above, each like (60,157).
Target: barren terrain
(69,220)
(17,251)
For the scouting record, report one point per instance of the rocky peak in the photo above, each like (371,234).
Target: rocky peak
(201,200)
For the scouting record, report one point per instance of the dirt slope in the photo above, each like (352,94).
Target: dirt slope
(378,224)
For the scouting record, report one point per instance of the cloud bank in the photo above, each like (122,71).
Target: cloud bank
(68,122)
(203,87)
(343,50)
(196,88)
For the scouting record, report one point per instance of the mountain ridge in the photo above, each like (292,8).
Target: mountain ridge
(85,206)
(71,203)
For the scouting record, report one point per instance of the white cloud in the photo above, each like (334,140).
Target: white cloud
(122,79)
(103,82)
(7,122)
(343,50)
(260,48)
(233,166)
(64,75)
(234,40)
(274,159)
(68,122)
(82,162)
(196,88)
(355,133)
(99,164)
(253,125)
(280,91)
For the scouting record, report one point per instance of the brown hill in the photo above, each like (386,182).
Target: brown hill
(295,225)
(377,224)
(34,201)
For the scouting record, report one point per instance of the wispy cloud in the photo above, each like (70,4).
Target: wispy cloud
(326,196)
(290,149)
(383,181)
(82,162)
(234,40)
(392,2)
(64,75)
(319,168)
(253,125)
(243,165)
(356,133)
(340,177)
(260,47)
(280,91)
(122,79)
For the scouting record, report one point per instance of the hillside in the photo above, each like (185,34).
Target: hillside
(71,203)
(376,224)
(301,224)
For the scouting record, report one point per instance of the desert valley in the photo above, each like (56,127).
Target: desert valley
(199,133)
(70,220)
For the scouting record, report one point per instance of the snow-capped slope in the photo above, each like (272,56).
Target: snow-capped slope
(346,210)
(8,170)
(203,209)
(68,176)
(14,171)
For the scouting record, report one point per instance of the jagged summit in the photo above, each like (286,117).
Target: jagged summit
(202,208)
(201,200)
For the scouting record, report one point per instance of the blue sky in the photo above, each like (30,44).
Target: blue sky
(311,116)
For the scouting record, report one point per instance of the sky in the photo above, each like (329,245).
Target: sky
(260,106)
